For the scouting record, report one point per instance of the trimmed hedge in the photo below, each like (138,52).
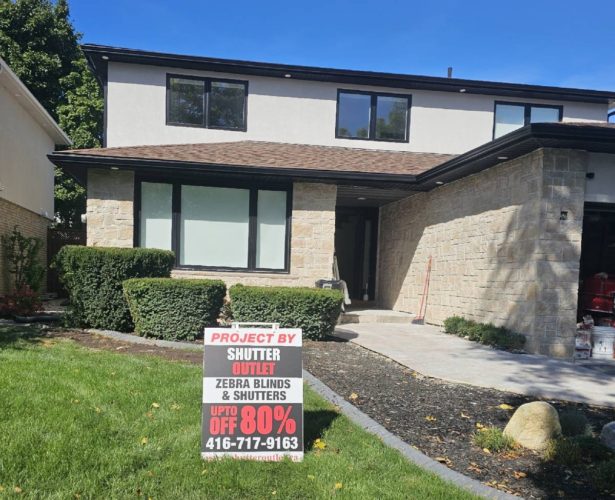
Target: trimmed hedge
(485,333)
(314,310)
(173,309)
(93,277)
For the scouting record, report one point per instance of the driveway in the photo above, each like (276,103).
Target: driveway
(427,350)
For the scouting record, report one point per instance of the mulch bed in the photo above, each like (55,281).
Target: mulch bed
(437,417)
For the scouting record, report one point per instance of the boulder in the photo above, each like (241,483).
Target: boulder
(607,436)
(533,425)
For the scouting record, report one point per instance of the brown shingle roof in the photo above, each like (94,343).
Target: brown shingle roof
(279,155)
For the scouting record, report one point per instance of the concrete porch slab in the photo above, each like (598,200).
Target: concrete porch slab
(369,315)
(425,349)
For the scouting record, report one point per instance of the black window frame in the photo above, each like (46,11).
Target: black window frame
(252,186)
(373,115)
(527,112)
(207,81)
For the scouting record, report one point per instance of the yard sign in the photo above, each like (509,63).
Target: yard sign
(252,393)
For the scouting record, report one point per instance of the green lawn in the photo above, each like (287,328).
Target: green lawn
(79,423)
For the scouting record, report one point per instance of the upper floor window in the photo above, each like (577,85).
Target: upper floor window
(205,102)
(371,116)
(510,116)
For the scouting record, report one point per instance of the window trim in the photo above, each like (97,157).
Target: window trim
(373,116)
(206,102)
(253,187)
(527,111)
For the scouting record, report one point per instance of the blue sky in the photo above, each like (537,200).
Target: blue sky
(551,42)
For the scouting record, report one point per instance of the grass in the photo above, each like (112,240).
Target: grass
(79,423)
(493,439)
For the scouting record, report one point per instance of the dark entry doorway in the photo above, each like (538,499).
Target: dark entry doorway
(356,245)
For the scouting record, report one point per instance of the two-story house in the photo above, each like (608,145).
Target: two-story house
(27,135)
(259,173)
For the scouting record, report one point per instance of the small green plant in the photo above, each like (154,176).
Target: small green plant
(22,255)
(485,333)
(493,439)
(602,476)
(574,423)
(453,324)
(592,448)
(563,451)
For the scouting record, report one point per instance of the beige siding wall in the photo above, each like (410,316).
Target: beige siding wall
(29,224)
(110,223)
(500,251)
(110,217)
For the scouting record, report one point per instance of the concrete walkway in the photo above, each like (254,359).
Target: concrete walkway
(430,352)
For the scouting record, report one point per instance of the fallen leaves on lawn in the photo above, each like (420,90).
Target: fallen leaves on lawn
(17,489)
(319,444)
(97,409)
(74,401)
(518,474)
(487,451)
(175,406)
(274,492)
(311,477)
(155,405)
(338,486)
(143,441)
(479,425)
(353,396)
(463,415)
(504,406)
(430,418)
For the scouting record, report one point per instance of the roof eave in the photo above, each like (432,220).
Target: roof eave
(97,53)
(64,159)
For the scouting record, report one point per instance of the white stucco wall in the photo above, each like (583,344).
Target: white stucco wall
(295,111)
(601,188)
(26,175)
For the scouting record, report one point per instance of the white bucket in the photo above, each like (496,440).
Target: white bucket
(603,338)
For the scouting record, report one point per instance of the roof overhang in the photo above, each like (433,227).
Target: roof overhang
(587,137)
(24,97)
(99,55)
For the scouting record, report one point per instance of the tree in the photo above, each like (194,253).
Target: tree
(40,44)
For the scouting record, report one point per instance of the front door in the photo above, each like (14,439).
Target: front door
(356,239)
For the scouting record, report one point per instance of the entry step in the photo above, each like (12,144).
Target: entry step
(374,316)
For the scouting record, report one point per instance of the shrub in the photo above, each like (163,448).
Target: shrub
(93,277)
(574,423)
(173,309)
(485,333)
(453,324)
(493,439)
(22,255)
(592,448)
(314,310)
(23,302)
(602,476)
(563,451)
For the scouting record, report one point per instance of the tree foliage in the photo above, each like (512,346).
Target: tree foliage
(40,44)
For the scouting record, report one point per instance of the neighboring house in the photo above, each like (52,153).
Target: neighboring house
(27,135)
(257,173)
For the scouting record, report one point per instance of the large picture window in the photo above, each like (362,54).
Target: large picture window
(510,116)
(218,227)
(371,116)
(204,102)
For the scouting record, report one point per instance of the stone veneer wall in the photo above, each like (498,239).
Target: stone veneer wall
(500,251)
(110,223)
(110,208)
(29,224)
